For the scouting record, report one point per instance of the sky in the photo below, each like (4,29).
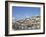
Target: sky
(24,12)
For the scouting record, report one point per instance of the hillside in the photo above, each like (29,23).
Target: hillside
(27,23)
